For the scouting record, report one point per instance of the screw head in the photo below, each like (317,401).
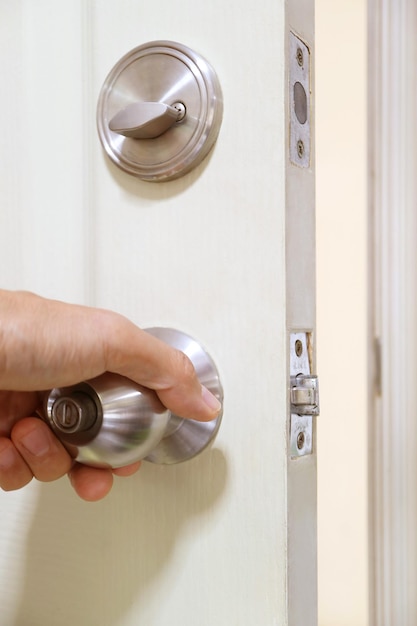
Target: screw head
(301,439)
(300,57)
(300,148)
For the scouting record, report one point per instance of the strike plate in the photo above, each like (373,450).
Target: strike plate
(304,398)
(299,96)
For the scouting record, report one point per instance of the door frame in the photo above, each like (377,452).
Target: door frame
(392,310)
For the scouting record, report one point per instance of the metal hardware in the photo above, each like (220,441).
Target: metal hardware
(300,57)
(144,120)
(75,413)
(303,394)
(111,421)
(301,435)
(159,111)
(298,347)
(299,97)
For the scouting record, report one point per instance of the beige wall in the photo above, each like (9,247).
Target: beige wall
(341,258)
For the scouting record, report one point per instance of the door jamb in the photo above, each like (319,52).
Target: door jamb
(392,336)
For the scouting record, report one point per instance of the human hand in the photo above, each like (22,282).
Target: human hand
(45,344)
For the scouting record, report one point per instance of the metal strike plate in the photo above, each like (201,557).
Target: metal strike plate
(299,97)
(159,111)
(304,396)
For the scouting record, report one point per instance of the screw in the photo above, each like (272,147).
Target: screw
(301,440)
(180,107)
(300,57)
(300,148)
(298,347)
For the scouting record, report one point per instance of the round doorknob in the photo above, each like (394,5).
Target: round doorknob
(159,111)
(110,421)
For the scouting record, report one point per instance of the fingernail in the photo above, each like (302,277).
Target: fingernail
(36,442)
(211,401)
(7,457)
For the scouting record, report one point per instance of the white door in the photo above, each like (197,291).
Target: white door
(225,254)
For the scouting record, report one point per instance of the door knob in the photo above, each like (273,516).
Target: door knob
(110,421)
(137,121)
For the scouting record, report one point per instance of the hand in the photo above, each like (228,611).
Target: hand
(46,344)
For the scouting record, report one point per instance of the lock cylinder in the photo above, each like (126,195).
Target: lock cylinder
(74,413)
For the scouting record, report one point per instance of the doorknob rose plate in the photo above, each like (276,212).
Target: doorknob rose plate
(170,74)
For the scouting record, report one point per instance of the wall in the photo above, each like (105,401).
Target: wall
(341,275)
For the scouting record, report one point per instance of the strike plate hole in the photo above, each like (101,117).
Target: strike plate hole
(300,103)
(298,348)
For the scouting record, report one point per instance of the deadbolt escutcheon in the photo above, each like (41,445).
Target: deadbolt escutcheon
(159,111)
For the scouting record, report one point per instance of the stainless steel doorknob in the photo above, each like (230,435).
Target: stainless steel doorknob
(111,421)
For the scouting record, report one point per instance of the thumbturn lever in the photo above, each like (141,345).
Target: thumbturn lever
(146,120)
(110,421)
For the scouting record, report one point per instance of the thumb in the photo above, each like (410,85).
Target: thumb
(154,364)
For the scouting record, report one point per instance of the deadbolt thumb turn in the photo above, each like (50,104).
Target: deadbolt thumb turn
(111,421)
(160,111)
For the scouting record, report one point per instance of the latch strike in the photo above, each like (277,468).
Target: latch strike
(303,396)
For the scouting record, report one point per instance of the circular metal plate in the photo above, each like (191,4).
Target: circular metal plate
(168,72)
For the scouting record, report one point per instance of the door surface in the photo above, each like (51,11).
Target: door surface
(225,254)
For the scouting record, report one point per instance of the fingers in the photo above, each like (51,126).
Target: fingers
(182,392)
(65,344)
(127,470)
(33,450)
(14,473)
(155,365)
(14,406)
(90,483)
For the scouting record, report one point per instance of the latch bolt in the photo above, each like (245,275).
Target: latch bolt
(305,394)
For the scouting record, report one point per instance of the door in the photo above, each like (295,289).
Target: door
(225,254)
